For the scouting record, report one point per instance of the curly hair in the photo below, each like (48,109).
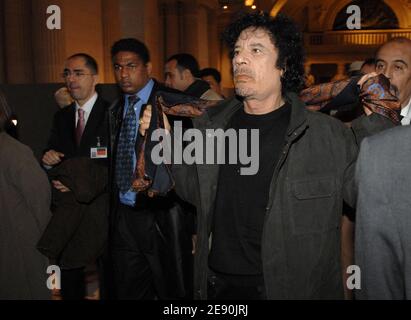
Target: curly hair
(286,38)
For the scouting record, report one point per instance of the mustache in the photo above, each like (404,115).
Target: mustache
(395,90)
(243,72)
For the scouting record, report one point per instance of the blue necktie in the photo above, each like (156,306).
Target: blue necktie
(125,148)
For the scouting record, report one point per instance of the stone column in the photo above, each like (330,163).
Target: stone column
(190,30)
(18,66)
(214,40)
(340,75)
(48,45)
(2,46)
(202,39)
(309,77)
(140,19)
(152,35)
(111,33)
(172,41)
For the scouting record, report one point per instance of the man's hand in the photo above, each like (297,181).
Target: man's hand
(366,77)
(361,82)
(145,121)
(59,186)
(52,157)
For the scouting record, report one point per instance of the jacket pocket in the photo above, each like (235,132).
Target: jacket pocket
(313,205)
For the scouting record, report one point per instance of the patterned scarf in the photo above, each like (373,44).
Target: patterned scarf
(376,94)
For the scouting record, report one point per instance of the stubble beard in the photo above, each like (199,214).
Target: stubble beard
(244,91)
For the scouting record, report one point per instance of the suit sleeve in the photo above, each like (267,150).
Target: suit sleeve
(55,135)
(365,126)
(362,127)
(377,238)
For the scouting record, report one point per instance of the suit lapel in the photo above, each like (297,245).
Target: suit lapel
(71,123)
(151,99)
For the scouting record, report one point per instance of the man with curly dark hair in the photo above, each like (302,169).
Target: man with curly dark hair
(286,41)
(275,234)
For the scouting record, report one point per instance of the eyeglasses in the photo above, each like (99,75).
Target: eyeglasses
(76,74)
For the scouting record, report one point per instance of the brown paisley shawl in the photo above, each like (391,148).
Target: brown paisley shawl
(157,179)
(377,94)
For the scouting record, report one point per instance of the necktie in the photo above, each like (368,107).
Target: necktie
(80,125)
(125,148)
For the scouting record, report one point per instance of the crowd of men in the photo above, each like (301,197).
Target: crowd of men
(217,234)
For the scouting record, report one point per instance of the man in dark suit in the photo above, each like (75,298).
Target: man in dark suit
(136,245)
(79,130)
(383,217)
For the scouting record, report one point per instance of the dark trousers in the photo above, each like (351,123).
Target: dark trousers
(136,267)
(233,287)
(73,285)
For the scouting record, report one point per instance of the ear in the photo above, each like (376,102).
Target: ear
(96,79)
(187,74)
(149,67)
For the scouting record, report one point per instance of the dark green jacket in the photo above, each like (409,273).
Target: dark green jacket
(301,233)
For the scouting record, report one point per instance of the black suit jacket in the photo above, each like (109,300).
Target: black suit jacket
(62,138)
(170,214)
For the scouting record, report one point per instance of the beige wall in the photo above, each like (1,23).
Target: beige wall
(83,30)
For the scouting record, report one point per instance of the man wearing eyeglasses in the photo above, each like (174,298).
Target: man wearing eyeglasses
(83,124)
(79,130)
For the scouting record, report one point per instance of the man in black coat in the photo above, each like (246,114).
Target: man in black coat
(147,255)
(79,130)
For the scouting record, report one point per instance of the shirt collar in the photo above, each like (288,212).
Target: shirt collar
(405,112)
(144,94)
(88,106)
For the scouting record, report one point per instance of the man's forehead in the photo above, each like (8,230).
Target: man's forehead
(209,78)
(127,56)
(75,63)
(395,51)
(254,34)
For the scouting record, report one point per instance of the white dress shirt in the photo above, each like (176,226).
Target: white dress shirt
(87,107)
(406,113)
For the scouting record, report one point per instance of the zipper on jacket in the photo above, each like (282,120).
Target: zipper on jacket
(284,154)
(269,205)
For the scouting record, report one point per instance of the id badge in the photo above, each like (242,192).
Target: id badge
(98,152)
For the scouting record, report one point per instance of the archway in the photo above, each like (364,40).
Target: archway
(394,5)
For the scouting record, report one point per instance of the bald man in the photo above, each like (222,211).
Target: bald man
(394,61)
